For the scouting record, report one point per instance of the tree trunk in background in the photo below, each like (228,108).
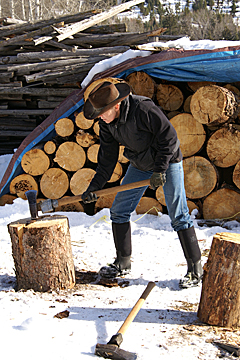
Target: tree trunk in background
(42,253)
(219,304)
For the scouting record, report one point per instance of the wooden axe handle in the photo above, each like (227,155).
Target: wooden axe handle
(131,316)
(112,190)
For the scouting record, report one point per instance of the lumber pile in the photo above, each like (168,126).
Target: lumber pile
(41,63)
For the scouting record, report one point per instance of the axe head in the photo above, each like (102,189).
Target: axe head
(32,201)
(110,351)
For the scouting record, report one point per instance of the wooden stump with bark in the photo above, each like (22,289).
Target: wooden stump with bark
(42,253)
(220,297)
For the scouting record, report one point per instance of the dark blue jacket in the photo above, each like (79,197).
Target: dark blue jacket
(149,138)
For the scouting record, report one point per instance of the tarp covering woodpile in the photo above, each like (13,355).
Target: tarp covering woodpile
(220,65)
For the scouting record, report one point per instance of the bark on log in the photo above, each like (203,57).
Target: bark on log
(236,175)
(141,84)
(80,180)
(70,156)
(191,133)
(42,253)
(49,147)
(54,183)
(35,162)
(169,97)
(85,139)
(200,177)
(213,105)
(82,122)
(219,302)
(223,147)
(22,183)
(64,127)
(222,204)
(148,205)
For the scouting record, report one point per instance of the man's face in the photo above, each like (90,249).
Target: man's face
(110,114)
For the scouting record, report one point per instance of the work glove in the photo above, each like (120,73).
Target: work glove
(157,179)
(88,197)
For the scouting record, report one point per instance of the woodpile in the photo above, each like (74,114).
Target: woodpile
(211,151)
(41,63)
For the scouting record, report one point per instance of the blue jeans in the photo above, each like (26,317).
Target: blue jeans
(126,202)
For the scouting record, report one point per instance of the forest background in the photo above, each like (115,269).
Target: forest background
(198,19)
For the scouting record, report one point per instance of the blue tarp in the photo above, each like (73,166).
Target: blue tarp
(219,65)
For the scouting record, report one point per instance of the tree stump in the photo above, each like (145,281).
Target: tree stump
(64,127)
(54,183)
(22,183)
(223,147)
(42,253)
(35,162)
(222,204)
(70,156)
(213,105)
(169,97)
(191,133)
(200,177)
(220,297)
(141,84)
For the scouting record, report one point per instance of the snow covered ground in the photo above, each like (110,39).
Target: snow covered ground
(167,326)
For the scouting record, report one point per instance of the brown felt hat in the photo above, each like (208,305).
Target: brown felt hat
(103,97)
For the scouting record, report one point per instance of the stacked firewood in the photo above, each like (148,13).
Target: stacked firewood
(205,116)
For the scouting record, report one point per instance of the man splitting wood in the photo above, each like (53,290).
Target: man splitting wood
(152,147)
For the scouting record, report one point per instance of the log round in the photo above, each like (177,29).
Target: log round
(70,156)
(96,82)
(222,204)
(64,127)
(74,207)
(42,253)
(148,205)
(200,177)
(85,139)
(195,85)
(159,194)
(104,202)
(236,175)
(35,162)
(220,296)
(96,128)
(223,147)
(92,153)
(121,158)
(117,173)
(192,206)
(141,84)
(82,122)
(80,180)
(22,183)
(7,199)
(169,97)
(54,183)
(50,147)
(191,133)
(213,105)
(186,105)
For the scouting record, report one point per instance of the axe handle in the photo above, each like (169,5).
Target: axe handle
(131,316)
(112,190)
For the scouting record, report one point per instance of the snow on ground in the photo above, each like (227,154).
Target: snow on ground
(167,326)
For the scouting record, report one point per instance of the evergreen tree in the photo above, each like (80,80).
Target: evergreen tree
(233,8)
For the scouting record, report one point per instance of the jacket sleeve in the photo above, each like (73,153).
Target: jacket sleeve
(165,142)
(107,158)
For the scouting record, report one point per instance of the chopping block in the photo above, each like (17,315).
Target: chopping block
(42,253)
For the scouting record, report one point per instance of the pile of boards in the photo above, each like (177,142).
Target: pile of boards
(41,63)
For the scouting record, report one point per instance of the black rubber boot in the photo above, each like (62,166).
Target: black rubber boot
(192,254)
(123,244)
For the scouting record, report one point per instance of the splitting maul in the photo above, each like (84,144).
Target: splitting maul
(50,205)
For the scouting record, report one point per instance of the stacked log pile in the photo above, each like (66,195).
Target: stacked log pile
(42,63)
(205,116)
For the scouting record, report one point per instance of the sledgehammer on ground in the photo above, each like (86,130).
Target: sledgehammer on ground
(111,350)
